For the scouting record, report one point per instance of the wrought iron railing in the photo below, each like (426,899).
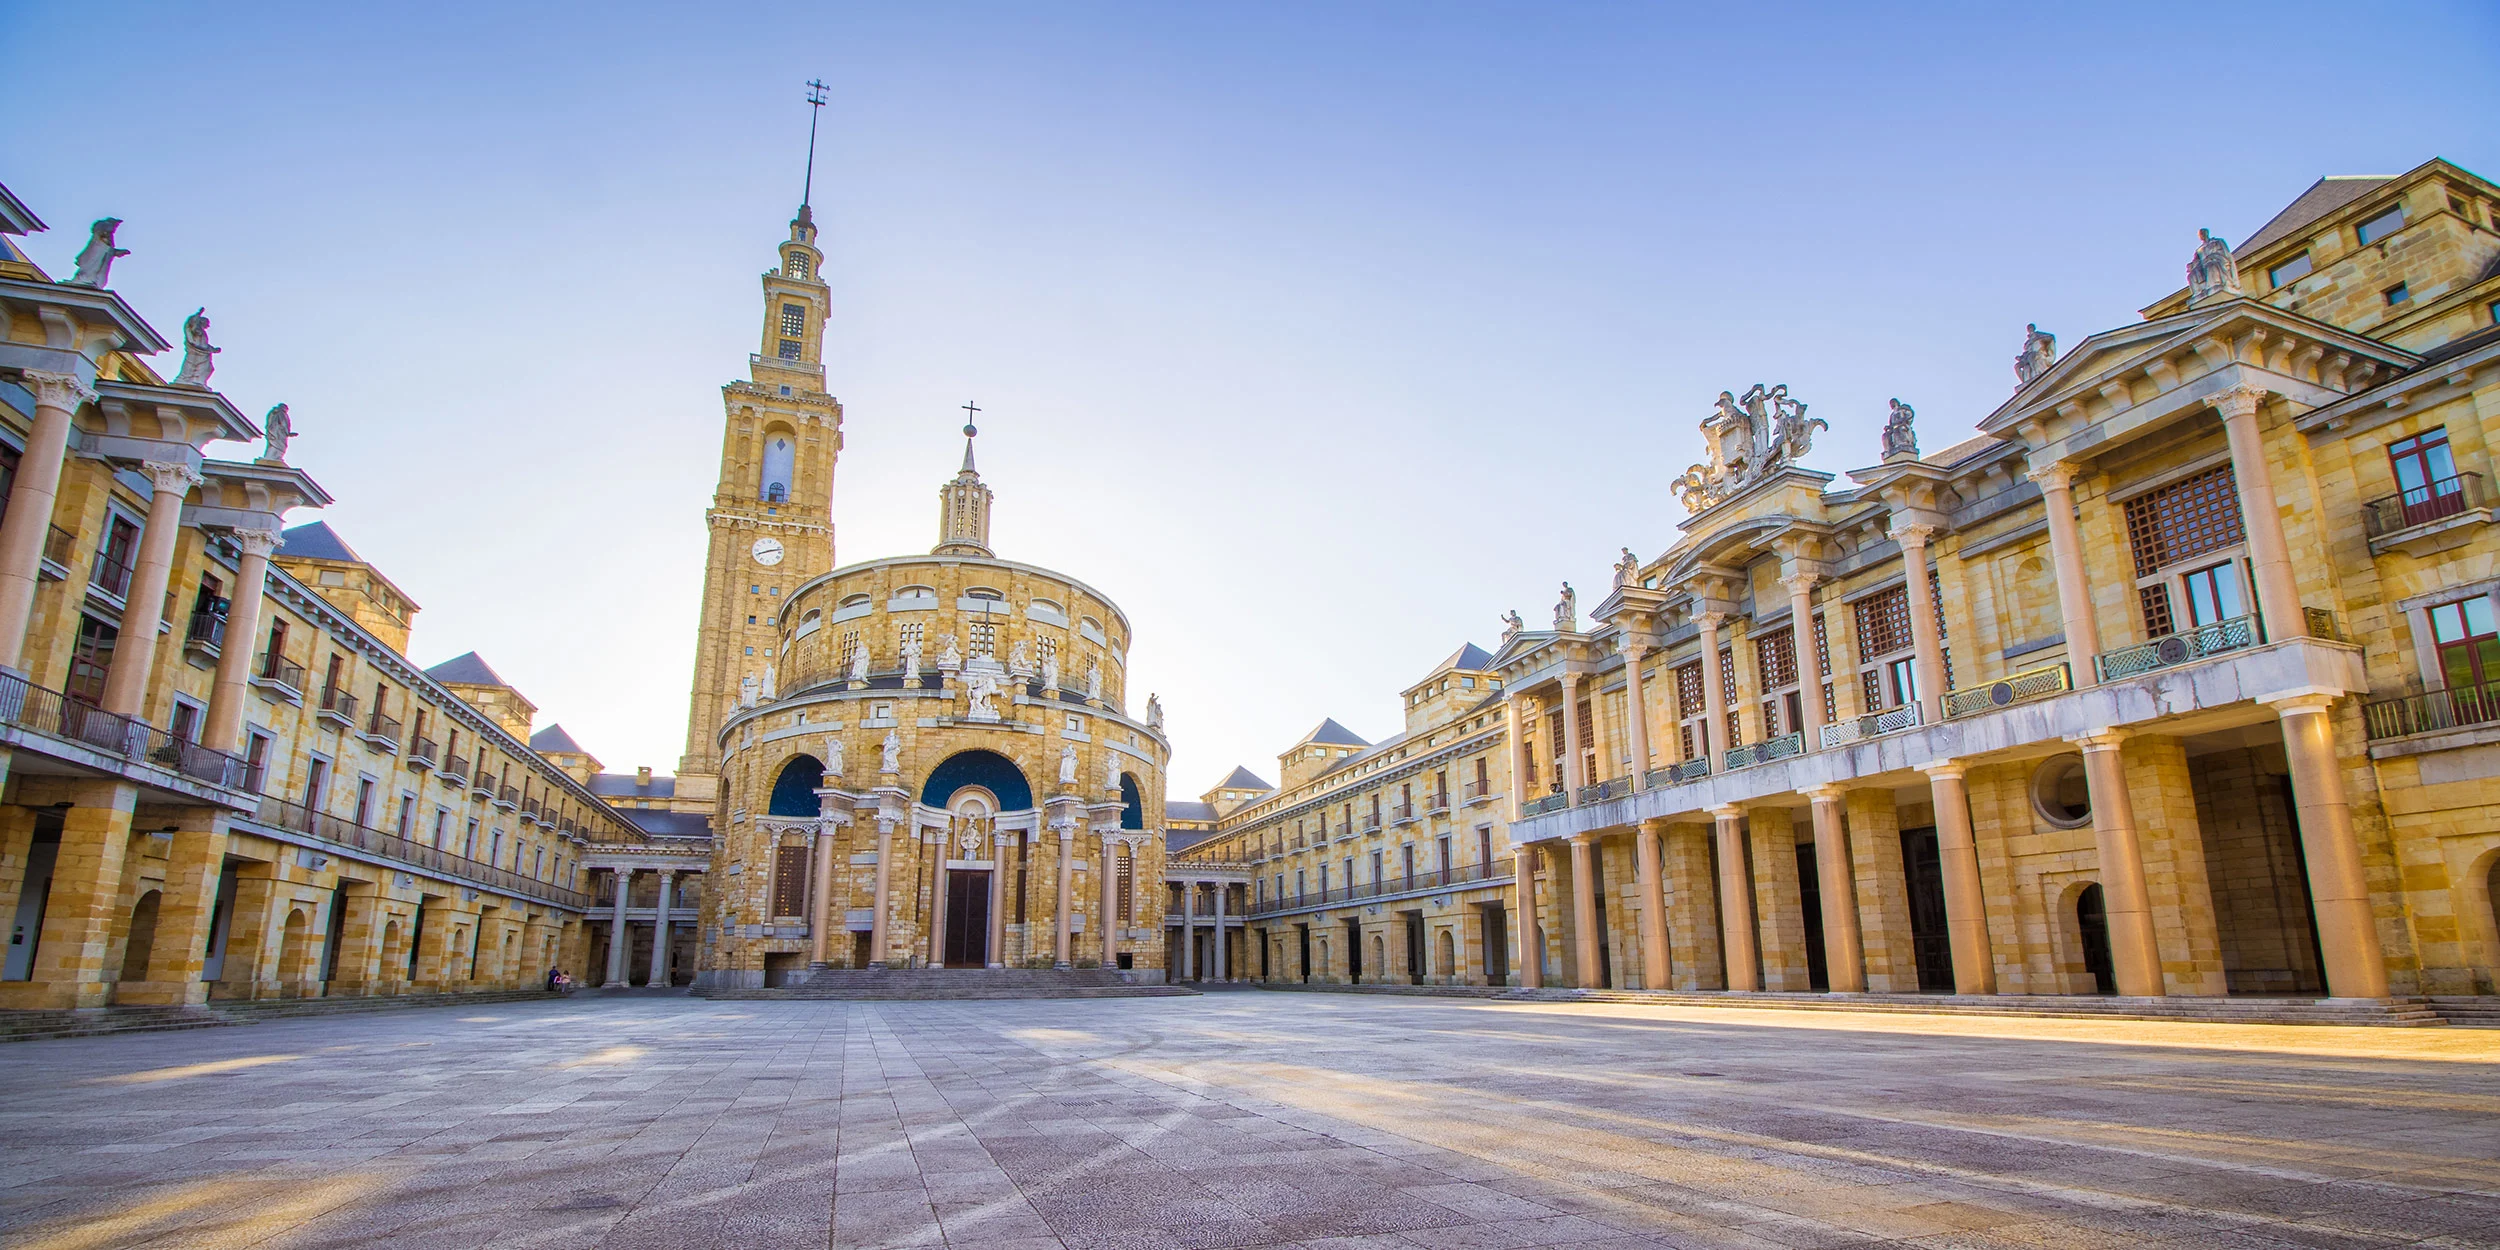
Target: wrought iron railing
(207,630)
(2453,707)
(1544,803)
(421,753)
(54,714)
(1437,804)
(1412,883)
(508,797)
(60,546)
(383,728)
(1767,750)
(1611,788)
(112,573)
(1871,725)
(278,668)
(1402,812)
(455,771)
(338,705)
(2432,501)
(1479,790)
(2172,650)
(1371,822)
(2023,687)
(281,814)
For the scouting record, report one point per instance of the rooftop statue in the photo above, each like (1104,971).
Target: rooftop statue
(1627,568)
(281,430)
(2039,351)
(1900,437)
(196,351)
(2212,274)
(1749,439)
(1567,611)
(95,261)
(1512,626)
(1154,711)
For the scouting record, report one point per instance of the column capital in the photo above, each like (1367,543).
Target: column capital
(258,542)
(1829,792)
(2239,401)
(171,475)
(2319,703)
(1728,811)
(1802,584)
(1711,621)
(1943,770)
(1915,534)
(1654,825)
(65,391)
(1635,652)
(2057,475)
(1571,679)
(2099,739)
(1583,839)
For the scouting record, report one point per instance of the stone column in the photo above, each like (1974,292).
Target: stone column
(84,902)
(1692,908)
(2074,592)
(999,842)
(2261,515)
(1636,714)
(1518,758)
(877,931)
(1737,938)
(659,930)
(1189,930)
(820,916)
(1220,888)
(1524,920)
(360,942)
(183,911)
(1653,884)
(2339,892)
(1575,775)
(234,658)
(2134,954)
(1110,901)
(1929,658)
(618,934)
(1957,849)
(1844,960)
(1809,669)
(29,521)
(1067,898)
(942,846)
(1715,743)
(1584,933)
(143,610)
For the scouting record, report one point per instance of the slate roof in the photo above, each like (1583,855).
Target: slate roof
(1177,810)
(317,541)
(1241,779)
(2323,197)
(1183,839)
(669,824)
(1470,658)
(1330,733)
(622,786)
(467,669)
(554,741)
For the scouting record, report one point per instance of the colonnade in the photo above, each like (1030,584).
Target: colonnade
(1184,960)
(663,915)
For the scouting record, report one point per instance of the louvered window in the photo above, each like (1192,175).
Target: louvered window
(2184,520)
(1688,690)
(790,881)
(1883,624)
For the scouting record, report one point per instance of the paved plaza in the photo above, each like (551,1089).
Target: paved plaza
(1245,1119)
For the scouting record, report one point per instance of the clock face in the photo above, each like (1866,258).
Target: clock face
(768,551)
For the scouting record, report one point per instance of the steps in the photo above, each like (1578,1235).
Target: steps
(2384,1013)
(955,983)
(2481,1011)
(40,1025)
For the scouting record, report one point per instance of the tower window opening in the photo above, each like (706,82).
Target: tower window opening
(780,461)
(793,320)
(789,349)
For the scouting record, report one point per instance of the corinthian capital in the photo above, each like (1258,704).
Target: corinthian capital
(1915,535)
(59,390)
(1710,621)
(2054,476)
(1802,583)
(257,542)
(2239,401)
(173,476)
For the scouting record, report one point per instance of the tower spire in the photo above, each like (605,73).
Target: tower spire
(971,410)
(964,504)
(815,107)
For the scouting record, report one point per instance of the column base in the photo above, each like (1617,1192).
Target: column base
(161,993)
(616,985)
(878,965)
(1062,966)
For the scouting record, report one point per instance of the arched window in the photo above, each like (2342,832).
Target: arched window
(1132,803)
(982,592)
(780,460)
(987,770)
(794,791)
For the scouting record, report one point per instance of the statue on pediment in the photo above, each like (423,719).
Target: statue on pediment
(197,352)
(1900,435)
(1567,611)
(95,261)
(279,429)
(2039,352)
(2212,274)
(1749,439)
(1627,569)
(1512,626)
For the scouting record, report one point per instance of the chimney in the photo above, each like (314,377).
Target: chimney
(642,777)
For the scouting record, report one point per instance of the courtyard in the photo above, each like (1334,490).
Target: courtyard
(1245,1119)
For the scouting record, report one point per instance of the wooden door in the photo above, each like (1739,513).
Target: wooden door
(967,918)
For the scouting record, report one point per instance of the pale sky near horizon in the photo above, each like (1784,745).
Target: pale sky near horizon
(1316,336)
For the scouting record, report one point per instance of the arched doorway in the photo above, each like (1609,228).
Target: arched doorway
(393,958)
(142,943)
(294,957)
(2092,928)
(1445,957)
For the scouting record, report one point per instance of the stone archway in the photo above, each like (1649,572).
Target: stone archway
(294,953)
(141,944)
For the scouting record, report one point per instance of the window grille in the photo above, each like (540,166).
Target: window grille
(1776,656)
(1688,691)
(790,881)
(2158,622)
(2184,520)
(984,638)
(793,320)
(1822,646)
(1883,624)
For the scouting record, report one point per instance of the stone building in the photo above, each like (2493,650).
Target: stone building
(2180,678)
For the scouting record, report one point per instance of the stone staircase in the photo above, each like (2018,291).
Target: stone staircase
(942,983)
(2385,1013)
(2481,1011)
(42,1025)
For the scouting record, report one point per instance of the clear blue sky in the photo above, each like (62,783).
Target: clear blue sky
(1316,335)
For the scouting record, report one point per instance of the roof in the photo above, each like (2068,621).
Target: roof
(15,217)
(317,541)
(554,741)
(1240,779)
(2323,198)
(669,824)
(466,669)
(1183,839)
(1330,733)
(1470,657)
(623,786)
(1174,809)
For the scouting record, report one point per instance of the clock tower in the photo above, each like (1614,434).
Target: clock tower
(771,518)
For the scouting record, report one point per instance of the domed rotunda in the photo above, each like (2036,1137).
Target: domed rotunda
(939,771)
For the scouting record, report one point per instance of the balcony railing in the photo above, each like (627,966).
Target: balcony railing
(1611,788)
(1544,803)
(337,706)
(278,813)
(2455,707)
(1412,883)
(1765,751)
(1371,822)
(454,772)
(1478,791)
(55,714)
(421,754)
(60,546)
(112,573)
(1402,813)
(279,670)
(2236,634)
(1437,804)
(1344,830)
(1871,725)
(382,729)
(508,798)
(2435,501)
(2022,687)
(207,633)
(1677,774)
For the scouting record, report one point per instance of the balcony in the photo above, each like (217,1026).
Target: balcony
(111,574)
(1402,814)
(2039,683)
(280,814)
(421,752)
(59,548)
(337,708)
(453,773)
(1871,725)
(508,798)
(279,678)
(2433,711)
(1611,788)
(530,812)
(2236,634)
(1677,774)
(54,714)
(1545,803)
(381,733)
(1500,871)
(1765,751)
(1479,792)
(205,639)
(1371,822)
(2427,518)
(482,787)
(1344,831)
(1438,804)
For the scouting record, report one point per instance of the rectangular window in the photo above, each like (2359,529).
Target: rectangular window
(91,661)
(790,881)
(2158,622)
(316,779)
(2381,226)
(2184,520)
(186,723)
(2397,294)
(407,813)
(793,320)
(2289,271)
(789,349)
(2214,594)
(120,551)
(1883,624)
(256,762)
(364,801)
(468,841)
(2469,648)
(2426,474)
(1902,676)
